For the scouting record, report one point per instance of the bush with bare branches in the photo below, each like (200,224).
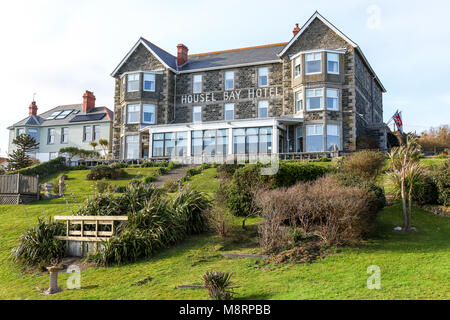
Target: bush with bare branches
(334,213)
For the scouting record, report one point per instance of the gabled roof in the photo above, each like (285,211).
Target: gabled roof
(233,58)
(168,60)
(317,15)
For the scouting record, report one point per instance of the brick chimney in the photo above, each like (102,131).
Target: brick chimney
(296,30)
(32,109)
(182,56)
(88,101)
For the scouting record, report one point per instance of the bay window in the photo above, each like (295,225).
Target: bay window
(314,138)
(33,133)
(333,137)
(133,113)
(297,67)
(149,82)
(20,131)
(299,101)
(229,80)
(133,82)
(197,114)
(229,111)
(333,99)
(263,74)
(132,147)
(333,63)
(314,99)
(197,86)
(148,111)
(263,109)
(313,63)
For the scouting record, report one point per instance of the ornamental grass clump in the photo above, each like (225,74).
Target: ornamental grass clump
(37,246)
(217,283)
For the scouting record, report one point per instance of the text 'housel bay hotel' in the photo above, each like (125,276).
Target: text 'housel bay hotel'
(314,94)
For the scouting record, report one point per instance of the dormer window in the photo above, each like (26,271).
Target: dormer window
(313,63)
(297,67)
(133,82)
(197,86)
(149,82)
(333,63)
(263,75)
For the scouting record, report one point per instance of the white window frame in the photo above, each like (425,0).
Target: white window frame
(194,112)
(227,78)
(267,76)
(197,80)
(20,132)
(138,111)
(152,75)
(337,98)
(308,108)
(297,63)
(64,135)
(51,135)
(266,103)
(330,54)
(338,130)
(315,132)
(138,76)
(133,142)
(300,93)
(37,133)
(94,136)
(152,106)
(230,107)
(85,137)
(314,56)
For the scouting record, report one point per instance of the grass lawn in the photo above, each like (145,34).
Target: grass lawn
(413,266)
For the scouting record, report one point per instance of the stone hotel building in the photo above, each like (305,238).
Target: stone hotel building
(315,94)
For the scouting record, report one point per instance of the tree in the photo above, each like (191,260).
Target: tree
(70,151)
(435,139)
(20,156)
(104,144)
(94,145)
(405,172)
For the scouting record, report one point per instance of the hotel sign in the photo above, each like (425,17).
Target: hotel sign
(232,95)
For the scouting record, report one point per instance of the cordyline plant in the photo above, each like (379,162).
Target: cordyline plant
(217,283)
(405,172)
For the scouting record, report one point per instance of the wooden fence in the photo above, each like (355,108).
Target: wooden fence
(84,234)
(17,189)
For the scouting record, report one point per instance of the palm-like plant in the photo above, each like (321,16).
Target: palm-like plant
(217,283)
(94,145)
(405,172)
(104,145)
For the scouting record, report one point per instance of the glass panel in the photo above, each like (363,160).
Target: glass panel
(133,113)
(197,134)
(209,144)
(263,74)
(229,80)
(313,63)
(158,136)
(149,113)
(314,143)
(158,148)
(169,148)
(239,144)
(265,143)
(132,146)
(197,87)
(238,132)
(197,114)
(252,131)
(263,109)
(149,82)
(333,62)
(197,146)
(252,144)
(222,133)
(133,82)
(266,130)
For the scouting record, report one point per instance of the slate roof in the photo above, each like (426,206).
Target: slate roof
(41,119)
(169,59)
(234,57)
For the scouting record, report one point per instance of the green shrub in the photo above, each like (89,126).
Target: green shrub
(78,167)
(442,156)
(171,185)
(37,246)
(155,223)
(101,186)
(425,191)
(149,164)
(193,172)
(174,165)
(226,171)
(441,177)
(43,169)
(105,172)
(118,165)
(162,171)
(248,179)
(149,179)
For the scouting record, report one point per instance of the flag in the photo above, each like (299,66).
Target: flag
(398,121)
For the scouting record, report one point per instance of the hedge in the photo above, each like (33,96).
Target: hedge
(43,169)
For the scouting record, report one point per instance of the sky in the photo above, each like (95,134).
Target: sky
(59,49)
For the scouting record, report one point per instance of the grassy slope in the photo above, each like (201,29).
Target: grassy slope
(414,266)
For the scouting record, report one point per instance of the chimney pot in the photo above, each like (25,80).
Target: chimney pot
(88,101)
(32,109)
(182,54)
(296,30)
